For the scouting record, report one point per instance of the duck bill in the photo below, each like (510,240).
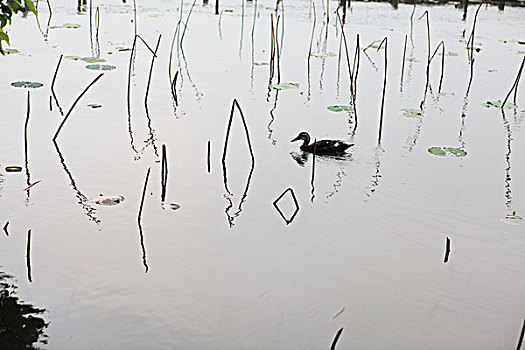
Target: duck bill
(297,138)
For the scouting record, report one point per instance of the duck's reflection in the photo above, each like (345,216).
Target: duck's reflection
(21,325)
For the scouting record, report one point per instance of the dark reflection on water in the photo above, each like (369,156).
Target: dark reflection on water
(89,210)
(28,174)
(21,325)
(272,118)
(229,194)
(508,177)
(377,173)
(296,203)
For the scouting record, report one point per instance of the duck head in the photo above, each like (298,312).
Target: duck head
(303,136)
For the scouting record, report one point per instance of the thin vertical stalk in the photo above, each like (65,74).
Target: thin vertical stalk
(28,256)
(385,40)
(403,62)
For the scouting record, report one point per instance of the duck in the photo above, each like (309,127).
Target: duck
(326,147)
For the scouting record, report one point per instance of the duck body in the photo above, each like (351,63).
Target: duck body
(322,147)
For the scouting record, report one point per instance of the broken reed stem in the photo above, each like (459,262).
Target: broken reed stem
(272,47)
(177,29)
(143,195)
(442,45)
(520,341)
(471,37)
(312,36)
(235,104)
(74,104)
(163,174)
(428,41)
(385,40)
(28,256)
(208,156)
(151,70)
(277,49)
(216,7)
(5,228)
(514,86)
(404,56)
(332,347)
(351,76)
(174,88)
(447,251)
(187,21)
(97,25)
(154,53)
(355,71)
(135,16)
(53,85)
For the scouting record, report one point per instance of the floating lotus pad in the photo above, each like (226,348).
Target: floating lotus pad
(109,201)
(450,151)
(27,84)
(11,51)
(71,25)
(13,169)
(340,108)
(170,206)
(100,67)
(323,54)
(93,59)
(412,113)
(94,105)
(498,104)
(284,86)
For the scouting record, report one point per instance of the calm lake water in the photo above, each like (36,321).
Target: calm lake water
(365,252)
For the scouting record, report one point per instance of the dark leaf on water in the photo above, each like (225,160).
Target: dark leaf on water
(27,84)
(13,169)
(109,201)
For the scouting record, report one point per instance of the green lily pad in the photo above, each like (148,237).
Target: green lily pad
(11,51)
(71,25)
(323,54)
(446,94)
(109,201)
(412,113)
(92,59)
(27,84)
(284,86)
(228,10)
(74,58)
(450,151)
(498,104)
(450,53)
(100,67)
(94,105)
(13,169)
(340,108)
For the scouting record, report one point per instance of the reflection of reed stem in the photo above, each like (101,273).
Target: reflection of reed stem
(28,256)
(25,142)
(385,40)
(139,222)
(74,104)
(514,86)
(151,70)
(313,171)
(163,174)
